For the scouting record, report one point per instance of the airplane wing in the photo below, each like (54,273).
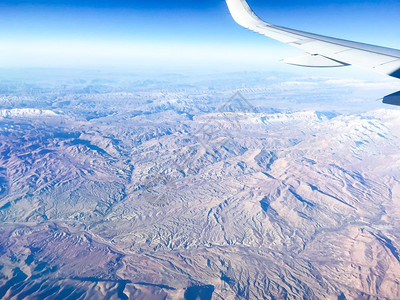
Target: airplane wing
(321,51)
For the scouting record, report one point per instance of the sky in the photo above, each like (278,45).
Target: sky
(176,34)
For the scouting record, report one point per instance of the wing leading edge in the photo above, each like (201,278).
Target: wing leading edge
(321,51)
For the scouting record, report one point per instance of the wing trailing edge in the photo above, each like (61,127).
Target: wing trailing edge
(314,61)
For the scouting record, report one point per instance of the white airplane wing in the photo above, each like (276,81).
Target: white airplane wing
(321,51)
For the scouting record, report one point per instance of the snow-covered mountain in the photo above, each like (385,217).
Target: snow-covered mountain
(197,193)
(26,112)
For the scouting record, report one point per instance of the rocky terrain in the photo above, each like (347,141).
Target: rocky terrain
(242,187)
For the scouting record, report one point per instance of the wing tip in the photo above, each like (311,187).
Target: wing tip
(395,74)
(242,13)
(392,99)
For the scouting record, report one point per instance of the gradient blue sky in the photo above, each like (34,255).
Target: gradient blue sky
(181,34)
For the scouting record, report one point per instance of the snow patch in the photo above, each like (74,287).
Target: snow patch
(26,112)
(299,116)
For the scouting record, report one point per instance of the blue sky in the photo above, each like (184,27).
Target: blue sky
(181,34)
